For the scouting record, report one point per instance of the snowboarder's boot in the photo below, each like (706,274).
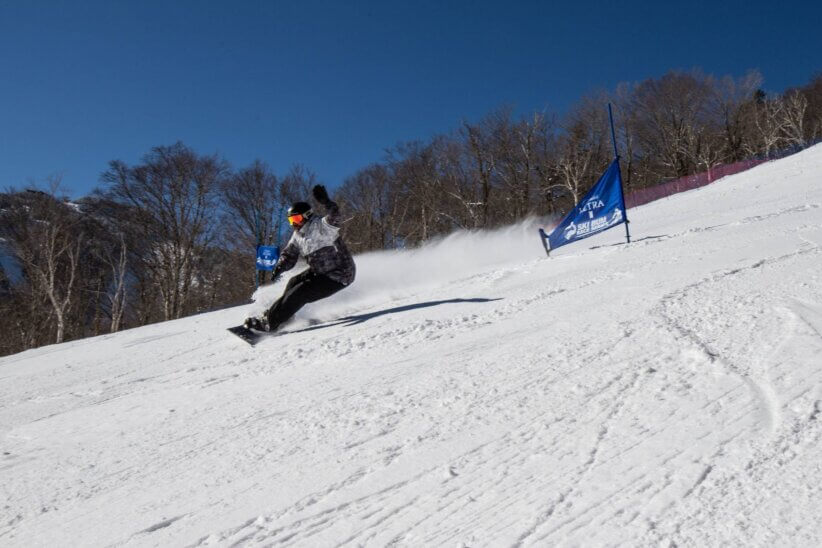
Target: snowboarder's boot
(257,324)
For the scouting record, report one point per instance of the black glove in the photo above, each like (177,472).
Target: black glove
(275,275)
(320,194)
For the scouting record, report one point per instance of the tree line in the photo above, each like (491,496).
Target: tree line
(175,234)
(500,169)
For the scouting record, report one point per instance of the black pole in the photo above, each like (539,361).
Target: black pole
(616,158)
(613,133)
(280,227)
(258,235)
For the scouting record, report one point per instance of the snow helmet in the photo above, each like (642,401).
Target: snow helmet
(299,213)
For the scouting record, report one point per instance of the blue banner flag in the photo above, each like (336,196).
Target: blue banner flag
(602,208)
(267,256)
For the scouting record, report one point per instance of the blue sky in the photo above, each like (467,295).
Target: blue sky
(331,85)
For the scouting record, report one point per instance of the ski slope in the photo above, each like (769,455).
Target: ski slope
(470,393)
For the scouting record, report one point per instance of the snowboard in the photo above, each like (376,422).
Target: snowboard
(249,335)
(252,336)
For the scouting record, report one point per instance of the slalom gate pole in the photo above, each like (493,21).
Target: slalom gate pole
(616,157)
(258,237)
(280,227)
(613,133)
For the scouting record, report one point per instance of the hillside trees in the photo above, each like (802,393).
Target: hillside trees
(672,122)
(487,174)
(378,209)
(481,167)
(732,101)
(116,245)
(173,196)
(252,199)
(504,168)
(796,106)
(48,239)
(170,236)
(812,95)
(583,146)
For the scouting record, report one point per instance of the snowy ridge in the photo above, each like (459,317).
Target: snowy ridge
(471,393)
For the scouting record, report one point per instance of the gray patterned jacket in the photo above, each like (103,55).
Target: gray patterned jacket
(319,242)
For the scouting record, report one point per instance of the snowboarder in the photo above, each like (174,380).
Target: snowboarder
(330,265)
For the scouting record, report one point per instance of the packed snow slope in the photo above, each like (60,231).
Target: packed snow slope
(471,393)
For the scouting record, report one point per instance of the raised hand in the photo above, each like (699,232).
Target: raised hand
(320,194)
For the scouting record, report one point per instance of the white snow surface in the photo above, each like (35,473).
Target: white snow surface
(470,393)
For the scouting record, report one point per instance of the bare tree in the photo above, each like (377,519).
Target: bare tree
(253,202)
(672,116)
(297,183)
(733,104)
(527,133)
(545,168)
(173,194)
(813,93)
(633,166)
(46,238)
(769,120)
(795,106)
(574,167)
(482,163)
(583,146)
(60,251)
(510,165)
(368,196)
(118,264)
(458,208)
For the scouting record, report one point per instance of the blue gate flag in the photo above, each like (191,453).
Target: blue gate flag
(602,208)
(267,256)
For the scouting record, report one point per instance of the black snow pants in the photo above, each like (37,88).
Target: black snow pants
(306,287)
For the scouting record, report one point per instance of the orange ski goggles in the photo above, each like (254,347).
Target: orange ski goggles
(296,219)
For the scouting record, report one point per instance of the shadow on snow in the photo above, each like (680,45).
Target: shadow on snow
(360,318)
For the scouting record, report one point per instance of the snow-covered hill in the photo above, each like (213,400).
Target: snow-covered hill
(472,393)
